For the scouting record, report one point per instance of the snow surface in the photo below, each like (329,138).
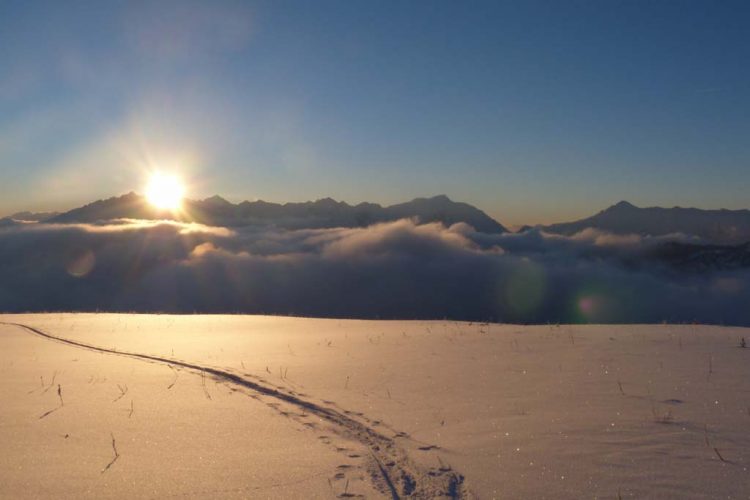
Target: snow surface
(274,407)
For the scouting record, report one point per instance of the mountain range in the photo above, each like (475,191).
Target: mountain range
(723,227)
(324,213)
(717,227)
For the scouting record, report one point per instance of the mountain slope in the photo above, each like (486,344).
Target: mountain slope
(22,217)
(687,257)
(128,206)
(715,226)
(443,209)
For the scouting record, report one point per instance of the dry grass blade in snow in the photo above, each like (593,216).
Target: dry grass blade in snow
(116,455)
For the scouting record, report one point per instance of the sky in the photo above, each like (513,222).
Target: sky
(535,112)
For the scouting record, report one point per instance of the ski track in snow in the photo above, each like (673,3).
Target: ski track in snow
(390,469)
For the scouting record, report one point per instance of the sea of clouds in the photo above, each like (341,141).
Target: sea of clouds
(400,269)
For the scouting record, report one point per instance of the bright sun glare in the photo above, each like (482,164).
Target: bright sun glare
(165,191)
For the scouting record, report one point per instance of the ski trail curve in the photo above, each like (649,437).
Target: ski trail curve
(393,472)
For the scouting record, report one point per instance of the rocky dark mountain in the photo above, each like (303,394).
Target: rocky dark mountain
(686,257)
(324,213)
(129,206)
(34,216)
(21,217)
(723,227)
(442,209)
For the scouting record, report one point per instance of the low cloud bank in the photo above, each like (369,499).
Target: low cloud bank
(393,270)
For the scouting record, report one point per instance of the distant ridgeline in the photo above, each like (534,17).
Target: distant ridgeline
(715,227)
(325,213)
(726,227)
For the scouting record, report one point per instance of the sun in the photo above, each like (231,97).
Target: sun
(165,191)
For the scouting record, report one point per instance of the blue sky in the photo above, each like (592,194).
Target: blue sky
(533,111)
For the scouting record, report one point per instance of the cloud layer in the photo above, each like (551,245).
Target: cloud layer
(394,270)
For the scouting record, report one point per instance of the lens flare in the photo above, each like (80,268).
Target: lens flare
(81,263)
(587,305)
(525,289)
